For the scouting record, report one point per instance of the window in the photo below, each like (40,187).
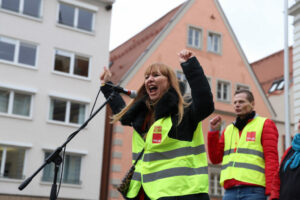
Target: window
(67,111)
(223,91)
(214,42)
(195,37)
(242,87)
(75,17)
(181,77)
(12,162)
(26,7)
(71,171)
(215,187)
(15,102)
(18,52)
(71,64)
(277,85)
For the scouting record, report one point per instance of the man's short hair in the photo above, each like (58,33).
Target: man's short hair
(249,94)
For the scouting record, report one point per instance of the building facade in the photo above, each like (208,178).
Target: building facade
(295,12)
(51,55)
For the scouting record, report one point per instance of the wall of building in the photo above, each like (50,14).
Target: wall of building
(38,134)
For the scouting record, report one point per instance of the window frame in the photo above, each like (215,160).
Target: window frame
(72,56)
(215,186)
(12,90)
(77,5)
(214,174)
(68,100)
(195,28)
(277,85)
(68,153)
(228,100)
(219,42)
(18,145)
(17,44)
(20,11)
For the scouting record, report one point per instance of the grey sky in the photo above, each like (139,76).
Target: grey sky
(258,24)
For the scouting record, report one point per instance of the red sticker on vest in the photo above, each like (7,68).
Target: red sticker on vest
(250,136)
(156,138)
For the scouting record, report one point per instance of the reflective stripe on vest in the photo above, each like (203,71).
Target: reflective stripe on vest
(244,165)
(167,161)
(169,173)
(245,151)
(179,171)
(136,176)
(184,151)
(243,158)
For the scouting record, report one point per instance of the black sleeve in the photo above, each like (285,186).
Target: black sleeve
(116,103)
(202,99)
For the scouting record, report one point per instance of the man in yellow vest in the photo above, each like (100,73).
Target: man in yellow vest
(247,149)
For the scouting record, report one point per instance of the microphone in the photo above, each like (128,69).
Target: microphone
(131,93)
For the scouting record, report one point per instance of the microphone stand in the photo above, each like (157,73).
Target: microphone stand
(56,158)
(57,161)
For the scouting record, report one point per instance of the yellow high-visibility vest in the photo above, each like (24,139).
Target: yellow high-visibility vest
(243,158)
(169,167)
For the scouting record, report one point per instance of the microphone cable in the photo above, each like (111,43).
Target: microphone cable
(95,101)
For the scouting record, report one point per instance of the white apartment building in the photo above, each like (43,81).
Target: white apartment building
(51,55)
(295,12)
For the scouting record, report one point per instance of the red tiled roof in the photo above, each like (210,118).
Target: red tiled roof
(125,55)
(271,68)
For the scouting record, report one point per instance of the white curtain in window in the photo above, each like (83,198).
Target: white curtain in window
(51,109)
(48,172)
(81,116)
(72,169)
(21,104)
(4,96)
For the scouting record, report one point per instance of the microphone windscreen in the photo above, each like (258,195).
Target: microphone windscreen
(133,94)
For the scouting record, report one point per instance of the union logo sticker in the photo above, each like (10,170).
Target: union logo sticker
(156,138)
(251,136)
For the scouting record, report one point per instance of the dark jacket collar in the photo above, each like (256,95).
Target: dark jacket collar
(241,123)
(166,106)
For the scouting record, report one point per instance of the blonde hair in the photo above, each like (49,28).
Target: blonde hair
(173,82)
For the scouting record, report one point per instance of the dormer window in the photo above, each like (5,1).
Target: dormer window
(277,85)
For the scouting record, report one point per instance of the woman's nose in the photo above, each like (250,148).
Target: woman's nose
(151,78)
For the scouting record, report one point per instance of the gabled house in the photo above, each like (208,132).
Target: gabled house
(202,27)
